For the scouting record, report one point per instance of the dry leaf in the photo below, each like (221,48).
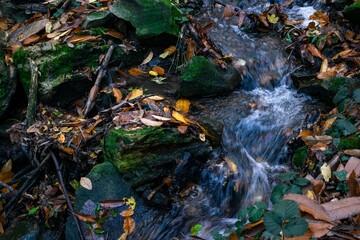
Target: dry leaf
(319,146)
(84,217)
(310,206)
(353,164)
(115,34)
(326,172)
(161,118)
(31,40)
(353,185)
(310,195)
(155,98)
(136,72)
(117,94)
(148,58)
(202,137)
(153,73)
(159,70)
(86,183)
(135,93)
(319,228)
(315,52)
(129,225)
(182,129)
(343,208)
(68,150)
(61,138)
(150,123)
(181,118)
(232,166)
(324,65)
(78,39)
(167,52)
(127,213)
(7,167)
(352,152)
(110,204)
(123,236)
(183,105)
(312,140)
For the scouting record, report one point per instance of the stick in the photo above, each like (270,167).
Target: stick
(61,180)
(7,186)
(32,98)
(95,89)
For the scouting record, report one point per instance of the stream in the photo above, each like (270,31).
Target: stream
(258,120)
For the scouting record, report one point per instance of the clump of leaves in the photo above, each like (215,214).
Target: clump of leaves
(283,220)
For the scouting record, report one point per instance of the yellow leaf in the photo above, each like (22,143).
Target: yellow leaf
(65,129)
(86,183)
(179,117)
(48,27)
(117,94)
(153,73)
(326,172)
(183,105)
(170,50)
(310,194)
(135,93)
(130,202)
(150,123)
(272,18)
(7,167)
(61,138)
(328,123)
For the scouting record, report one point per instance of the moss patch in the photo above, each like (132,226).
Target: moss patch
(351,142)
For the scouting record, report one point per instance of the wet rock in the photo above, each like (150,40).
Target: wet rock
(352,12)
(27,229)
(107,185)
(151,18)
(145,155)
(7,84)
(204,78)
(61,67)
(96,19)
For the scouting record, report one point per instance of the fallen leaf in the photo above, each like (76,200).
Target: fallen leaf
(319,146)
(150,123)
(67,150)
(315,52)
(129,225)
(346,53)
(310,195)
(159,70)
(328,123)
(324,65)
(202,137)
(353,164)
(309,206)
(86,183)
(343,208)
(153,73)
(229,11)
(167,52)
(117,94)
(31,40)
(123,236)
(182,129)
(183,105)
(61,138)
(7,167)
(127,213)
(115,34)
(353,185)
(161,118)
(85,217)
(156,98)
(136,72)
(79,39)
(312,140)
(148,58)
(326,172)
(232,166)
(352,152)
(110,204)
(135,93)
(181,118)
(319,228)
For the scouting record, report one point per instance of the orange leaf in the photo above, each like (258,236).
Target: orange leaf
(78,39)
(159,70)
(129,225)
(115,34)
(314,51)
(61,138)
(182,129)
(117,94)
(183,105)
(170,50)
(127,213)
(84,217)
(68,150)
(310,206)
(136,72)
(135,93)
(181,118)
(31,40)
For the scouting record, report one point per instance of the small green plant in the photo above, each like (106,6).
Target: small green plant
(196,229)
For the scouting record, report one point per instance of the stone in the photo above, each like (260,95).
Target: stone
(27,229)
(61,78)
(204,78)
(107,184)
(7,84)
(151,18)
(96,19)
(145,155)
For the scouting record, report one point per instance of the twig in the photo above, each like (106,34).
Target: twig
(95,89)
(32,99)
(7,186)
(61,180)
(122,103)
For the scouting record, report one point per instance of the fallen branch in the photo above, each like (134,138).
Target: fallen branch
(11,189)
(32,98)
(95,89)
(61,180)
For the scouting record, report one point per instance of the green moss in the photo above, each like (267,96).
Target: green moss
(21,61)
(351,142)
(198,68)
(352,7)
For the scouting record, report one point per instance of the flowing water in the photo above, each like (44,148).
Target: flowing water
(258,121)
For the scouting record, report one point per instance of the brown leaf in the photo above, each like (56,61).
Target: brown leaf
(170,50)
(129,225)
(182,129)
(127,213)
(232,166)
(314,51)
(353,164)
(229,11)
(310,206)
(117,94)
(7,167)
(346,54)
(343,208)
(79,39)
(84,217)
(110,204)
(150,123)
(320,17)
(324,65)
(148,58)
(319,228)
(352,152)
(31,39)
(328,74)
(353,185)
(30,29)
(159,70)
(312,140)
(67,150)
(115,34)
(136,72)
(241,18)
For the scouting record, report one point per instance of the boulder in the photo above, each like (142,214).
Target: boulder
(7,84)
(145,155)
(107,184)
(150,17)
(61,78)
(96,19)
(204,78)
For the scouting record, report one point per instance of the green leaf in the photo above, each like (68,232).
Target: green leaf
(273,223)
(300,156)
(341,175)
(261,205)
(346,127)
(242,216)
(239,227)
(295,227)
(99,230)
(302,182)
(255,214)
(286,209)
(33,210)
(356,95)
(341,95)
(287,177)
(58,13)
(342,187)
(278,192)
(293,189)
(196,229)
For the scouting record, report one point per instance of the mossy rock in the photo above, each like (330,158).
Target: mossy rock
(61,79)
(204,78)
(350,142)
(7,84)
(150,17)
(352,12)
(148,154)
(96,19)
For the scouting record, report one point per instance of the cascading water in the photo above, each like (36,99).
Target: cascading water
(257,122)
